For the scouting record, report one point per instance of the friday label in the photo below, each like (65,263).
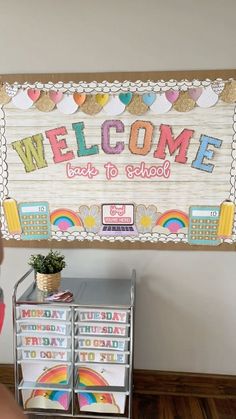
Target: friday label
(44,341)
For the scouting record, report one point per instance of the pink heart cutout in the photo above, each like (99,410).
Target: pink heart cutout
(195,93)
(172,95)
(55,96)
(33,94)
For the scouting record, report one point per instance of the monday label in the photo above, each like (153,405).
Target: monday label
(43,313)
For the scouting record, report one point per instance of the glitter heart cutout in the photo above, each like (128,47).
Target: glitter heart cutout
(55,96)
(79,98)
(33,94)
(195,93)
(149,98)
(172,95)
(102,99)
(125,98)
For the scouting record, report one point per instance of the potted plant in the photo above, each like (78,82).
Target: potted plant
(48,270)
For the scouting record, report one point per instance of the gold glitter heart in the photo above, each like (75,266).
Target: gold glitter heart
(184,103)
(229,93)
(4,98)
(90,106)
(45,104)
(137,106)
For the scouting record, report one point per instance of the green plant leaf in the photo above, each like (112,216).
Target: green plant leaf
(51,263)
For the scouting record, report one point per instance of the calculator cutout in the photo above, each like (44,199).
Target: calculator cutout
(203,225)
(35,220)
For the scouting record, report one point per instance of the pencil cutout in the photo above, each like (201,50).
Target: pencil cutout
(226,220)
(12,216)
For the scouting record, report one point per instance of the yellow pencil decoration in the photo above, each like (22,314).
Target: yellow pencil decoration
(226,220)
(12,216)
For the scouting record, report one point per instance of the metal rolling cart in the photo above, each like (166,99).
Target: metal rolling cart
(75,359)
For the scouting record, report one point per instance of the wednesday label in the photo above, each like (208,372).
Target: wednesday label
(57,328)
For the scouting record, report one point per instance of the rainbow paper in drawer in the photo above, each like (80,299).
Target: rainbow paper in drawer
(96,315)
(46,354)
(112,329)
(100,342)
(102,356)
(102,402)
(46,372)
(53,341)
(43,327)
(46,399)
(32,312)
(101,375)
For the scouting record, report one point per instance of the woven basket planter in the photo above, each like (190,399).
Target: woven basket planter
(48,282)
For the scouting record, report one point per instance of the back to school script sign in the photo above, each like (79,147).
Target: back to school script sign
(149,161)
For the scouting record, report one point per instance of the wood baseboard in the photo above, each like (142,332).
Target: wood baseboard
(164,383)
(184,384)
(7,375)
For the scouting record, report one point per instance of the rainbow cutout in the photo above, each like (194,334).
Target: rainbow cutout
(89,377)
(60,396)
(64,219)
(54,375)
(174,220)
(86,399)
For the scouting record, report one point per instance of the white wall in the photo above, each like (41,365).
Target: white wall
(185,317)
(116,35)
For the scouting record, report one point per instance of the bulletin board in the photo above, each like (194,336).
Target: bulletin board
(142,160)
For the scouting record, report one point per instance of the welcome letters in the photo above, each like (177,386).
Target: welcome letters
(32,153)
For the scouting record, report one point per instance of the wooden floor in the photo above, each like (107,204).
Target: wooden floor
(184,395)
(178,407)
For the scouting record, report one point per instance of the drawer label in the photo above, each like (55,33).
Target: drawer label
(45,328)
(27,313)
(103,330)
(112,316)
(97,356)
(44,354)
(102,343)
(44,341)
